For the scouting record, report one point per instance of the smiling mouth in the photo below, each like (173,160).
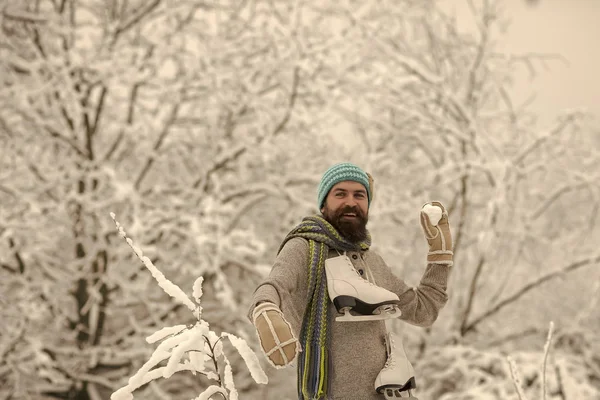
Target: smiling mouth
(349,215)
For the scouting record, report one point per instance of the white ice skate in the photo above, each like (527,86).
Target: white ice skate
(350,292)
(397,378)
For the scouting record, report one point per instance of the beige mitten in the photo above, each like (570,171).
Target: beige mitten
(434,221)
(275,335)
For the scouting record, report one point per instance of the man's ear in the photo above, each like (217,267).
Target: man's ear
(371,186)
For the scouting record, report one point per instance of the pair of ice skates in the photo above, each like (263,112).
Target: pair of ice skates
(361,300)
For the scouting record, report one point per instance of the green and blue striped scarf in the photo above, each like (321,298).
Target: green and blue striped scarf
(314,361)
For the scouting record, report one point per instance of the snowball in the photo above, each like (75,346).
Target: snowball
(433,212)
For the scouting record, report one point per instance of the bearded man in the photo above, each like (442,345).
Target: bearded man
(291,309)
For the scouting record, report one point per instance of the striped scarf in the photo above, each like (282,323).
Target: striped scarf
(314,363)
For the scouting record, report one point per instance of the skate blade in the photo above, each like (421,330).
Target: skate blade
(391,314)
(395,393)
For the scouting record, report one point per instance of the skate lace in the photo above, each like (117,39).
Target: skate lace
(357,273)
(390,362)
(351,266)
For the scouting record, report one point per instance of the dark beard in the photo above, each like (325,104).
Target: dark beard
(354,231)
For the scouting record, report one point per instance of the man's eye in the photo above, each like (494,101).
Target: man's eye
(339,194)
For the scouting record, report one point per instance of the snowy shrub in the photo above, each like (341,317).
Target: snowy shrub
(467,373)
(188,348)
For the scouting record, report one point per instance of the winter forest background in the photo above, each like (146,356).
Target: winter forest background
(205,126)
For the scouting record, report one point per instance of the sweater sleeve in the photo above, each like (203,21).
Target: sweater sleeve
(421,305)
(286,286)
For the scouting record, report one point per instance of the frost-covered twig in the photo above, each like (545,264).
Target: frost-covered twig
(197,343)
(546,350)
(514,371)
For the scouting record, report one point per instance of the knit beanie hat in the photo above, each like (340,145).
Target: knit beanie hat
(343,172)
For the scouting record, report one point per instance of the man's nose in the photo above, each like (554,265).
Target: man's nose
(351,201)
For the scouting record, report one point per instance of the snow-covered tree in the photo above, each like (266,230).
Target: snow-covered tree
(144,108)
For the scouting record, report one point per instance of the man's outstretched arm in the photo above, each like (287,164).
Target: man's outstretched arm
(421,305)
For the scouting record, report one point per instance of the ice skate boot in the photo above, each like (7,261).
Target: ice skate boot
(397,378)
(350,292)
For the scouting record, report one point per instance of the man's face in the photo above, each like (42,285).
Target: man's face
(347,208)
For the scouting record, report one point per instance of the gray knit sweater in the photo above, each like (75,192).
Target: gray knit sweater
(357,348)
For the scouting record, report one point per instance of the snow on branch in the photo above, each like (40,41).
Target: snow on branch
(516,377)
(169,287)
(546,351)
(188,348)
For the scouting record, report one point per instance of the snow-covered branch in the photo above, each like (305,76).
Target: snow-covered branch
(516,376)
(545,361)
(168,286)
(197,343)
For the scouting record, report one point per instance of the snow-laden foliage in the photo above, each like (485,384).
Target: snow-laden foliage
(463,372)
(179,342)
(466,373)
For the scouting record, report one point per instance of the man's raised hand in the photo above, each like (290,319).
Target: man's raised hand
(434,222)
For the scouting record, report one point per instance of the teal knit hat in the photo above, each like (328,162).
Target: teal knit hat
(339,173)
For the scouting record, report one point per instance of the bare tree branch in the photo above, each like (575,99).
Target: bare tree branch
(554,197)
(129,121)
(136,17)
(161,137)
(539,141)
(68,141)
(471,295)
(463,193)
(22,15)
(91,127)
(530,286)
(232,155)
(510,337)
(291,102)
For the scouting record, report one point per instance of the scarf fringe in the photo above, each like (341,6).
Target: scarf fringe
(314,381)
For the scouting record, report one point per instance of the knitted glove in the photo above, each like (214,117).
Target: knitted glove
(437,233)
(275,335)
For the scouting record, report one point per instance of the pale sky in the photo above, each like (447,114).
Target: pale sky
(570,28)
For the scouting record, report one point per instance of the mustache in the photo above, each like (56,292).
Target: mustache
(348,209)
